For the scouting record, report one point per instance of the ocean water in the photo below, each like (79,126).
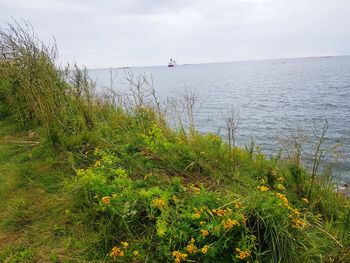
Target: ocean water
(270,96)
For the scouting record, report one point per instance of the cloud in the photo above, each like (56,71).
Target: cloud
(147,32)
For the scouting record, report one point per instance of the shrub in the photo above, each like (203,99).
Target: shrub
(165,219)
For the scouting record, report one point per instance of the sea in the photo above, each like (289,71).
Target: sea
(272,99)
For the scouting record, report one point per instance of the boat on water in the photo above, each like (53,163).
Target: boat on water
(172,63)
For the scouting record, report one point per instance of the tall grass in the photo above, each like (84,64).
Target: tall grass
(40,93)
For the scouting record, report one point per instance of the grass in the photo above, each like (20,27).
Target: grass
(36,225)
(88,178)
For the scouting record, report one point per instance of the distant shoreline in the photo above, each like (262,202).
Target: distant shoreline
(222,62)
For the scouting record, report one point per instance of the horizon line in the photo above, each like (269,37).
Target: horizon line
(221,62)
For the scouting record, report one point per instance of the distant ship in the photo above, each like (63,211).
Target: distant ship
(172,63)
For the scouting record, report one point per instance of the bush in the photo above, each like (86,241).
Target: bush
(165,219)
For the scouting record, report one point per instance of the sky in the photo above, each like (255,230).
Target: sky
(118,33)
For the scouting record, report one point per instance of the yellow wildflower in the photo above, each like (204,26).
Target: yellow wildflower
(125,244)
(298,223)
(179,256)
(176,253)
(159,202)
(135,253)
(280,179)
(97,163)
(106,200)
(305,200)
(197,214)
(263,188)
(229,223)
(283,198)
(281,187)
(242,254)
(114,195)
(219,212)
(116,252)
(201,223)
(191,249)
(204,232)
(204,249)
(196,190)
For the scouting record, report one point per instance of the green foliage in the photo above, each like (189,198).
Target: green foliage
(157,217)
(19,255)
(141,191)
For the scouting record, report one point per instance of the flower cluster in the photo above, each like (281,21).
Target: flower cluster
(125,244)
(116,252)
(197,213)
(106,200)
(263,188)
(242,254)
(298,223)
(97,163)
(204,249)
(229,223)
(195,189)
(159,203)
(283,198)
(191,249)
(204,232)
(221,212)
(179,256)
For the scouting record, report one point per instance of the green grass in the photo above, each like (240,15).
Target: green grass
(53,207)
(35,218)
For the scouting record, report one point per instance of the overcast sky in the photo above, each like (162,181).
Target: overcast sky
(110,33)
